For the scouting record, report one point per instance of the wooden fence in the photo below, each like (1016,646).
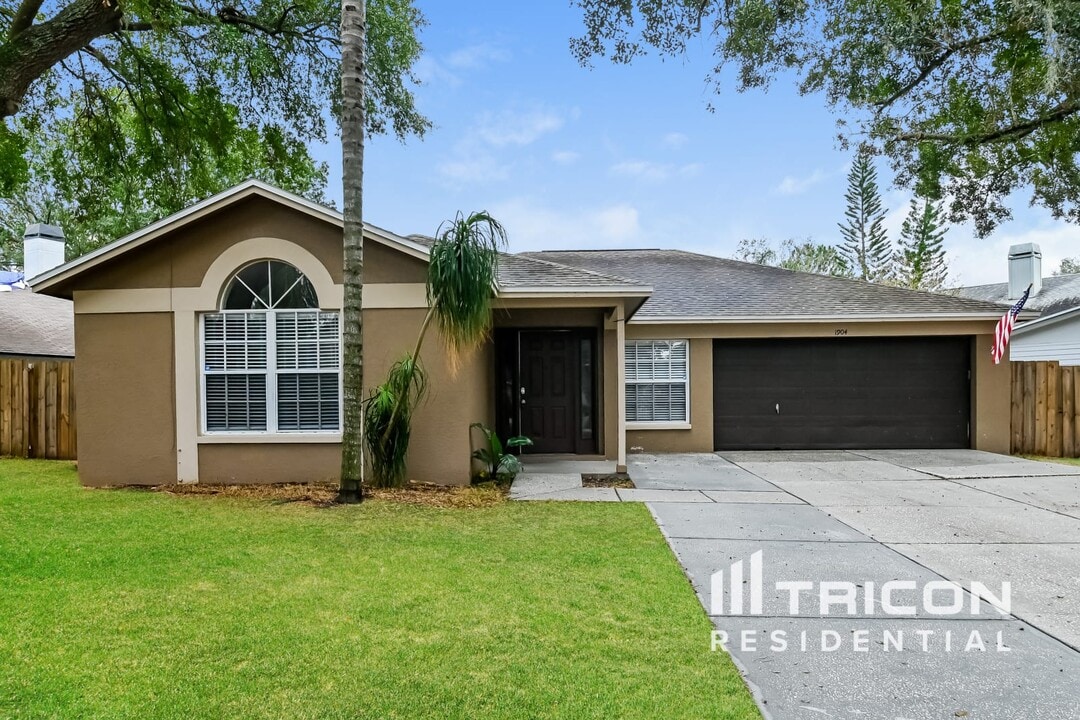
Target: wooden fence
(1045,409)
(37,408)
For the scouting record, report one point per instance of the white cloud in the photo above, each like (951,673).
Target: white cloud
(517,127)
(481,167)
(977,261)
(652,171)
(473,57)
(482,152)
(674,140)
(565,157)
(430,71)
(534,226)
(792,185)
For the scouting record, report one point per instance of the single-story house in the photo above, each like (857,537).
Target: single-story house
(1055,334)
(209,351)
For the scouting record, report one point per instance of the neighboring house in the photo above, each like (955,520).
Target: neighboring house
(209,351)
(1055,335)
(34,325)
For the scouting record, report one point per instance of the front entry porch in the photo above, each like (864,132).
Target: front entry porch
(547,388)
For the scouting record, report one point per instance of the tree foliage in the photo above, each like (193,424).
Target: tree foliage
(920,257)
(119,112)
(865,245)
(96,200)
(970,99)
(800,256)
(1069,266)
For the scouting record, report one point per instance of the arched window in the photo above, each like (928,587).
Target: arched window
(269,285)
(271,359)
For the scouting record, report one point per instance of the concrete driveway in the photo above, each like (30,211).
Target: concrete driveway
(864,519)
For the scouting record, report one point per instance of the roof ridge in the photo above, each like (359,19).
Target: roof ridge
(834,280)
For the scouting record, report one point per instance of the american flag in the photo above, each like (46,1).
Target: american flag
(1005,327)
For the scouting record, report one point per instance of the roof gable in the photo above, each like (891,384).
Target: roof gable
(215,204)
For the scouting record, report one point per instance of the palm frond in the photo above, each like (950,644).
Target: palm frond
(388,421)
(463,264)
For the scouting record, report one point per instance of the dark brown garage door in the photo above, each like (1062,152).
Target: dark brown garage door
(842,393)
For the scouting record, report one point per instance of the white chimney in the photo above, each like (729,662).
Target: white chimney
(43,249)
(1025,268)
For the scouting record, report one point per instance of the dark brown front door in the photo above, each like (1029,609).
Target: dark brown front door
(549,391)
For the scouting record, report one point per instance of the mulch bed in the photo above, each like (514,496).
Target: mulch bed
(324,494)
(607,480)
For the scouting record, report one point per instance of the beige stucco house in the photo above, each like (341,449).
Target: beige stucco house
(209,351)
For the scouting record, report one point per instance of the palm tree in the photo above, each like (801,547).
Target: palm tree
(461,274)
(353,40)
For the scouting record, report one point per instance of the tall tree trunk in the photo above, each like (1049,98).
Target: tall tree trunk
(353,49)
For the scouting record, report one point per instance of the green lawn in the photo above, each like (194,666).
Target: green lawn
(135,604)
(1063,461)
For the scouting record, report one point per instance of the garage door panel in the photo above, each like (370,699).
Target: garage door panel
(842,393)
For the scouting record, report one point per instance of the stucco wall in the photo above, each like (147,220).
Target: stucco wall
(181,258)
(124,412)
(991,392)
(440,446)
(269,463)
(386,265)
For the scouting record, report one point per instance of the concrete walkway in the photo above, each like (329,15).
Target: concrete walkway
(868,518)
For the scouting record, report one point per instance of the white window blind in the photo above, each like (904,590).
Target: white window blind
(271,371)
(657,381)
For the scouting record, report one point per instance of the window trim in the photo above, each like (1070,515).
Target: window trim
(684,424)
(272,433)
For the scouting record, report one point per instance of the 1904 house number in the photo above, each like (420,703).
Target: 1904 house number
(839,332)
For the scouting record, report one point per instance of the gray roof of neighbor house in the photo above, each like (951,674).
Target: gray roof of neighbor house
(689,286)
(38,325)
(1059,292)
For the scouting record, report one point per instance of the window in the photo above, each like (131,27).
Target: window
(657,381)
(271,358)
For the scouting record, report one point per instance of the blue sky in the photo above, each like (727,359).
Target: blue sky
(625,156)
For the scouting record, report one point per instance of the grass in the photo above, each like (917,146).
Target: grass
(127,603)
(1061,461)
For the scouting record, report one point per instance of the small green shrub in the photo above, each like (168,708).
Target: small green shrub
(499,466)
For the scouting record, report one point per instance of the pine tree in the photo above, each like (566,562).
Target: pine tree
(920,259)
(865,247)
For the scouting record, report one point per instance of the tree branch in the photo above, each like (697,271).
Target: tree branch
(936,63)
(40,47)
(24,17)
(1013,132)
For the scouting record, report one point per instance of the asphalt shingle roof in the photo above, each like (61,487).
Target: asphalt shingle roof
(32,324)
(1059,292)
(689,285)
(524,270)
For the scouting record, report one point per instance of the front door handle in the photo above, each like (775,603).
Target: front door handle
(522,394)
(777,408)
